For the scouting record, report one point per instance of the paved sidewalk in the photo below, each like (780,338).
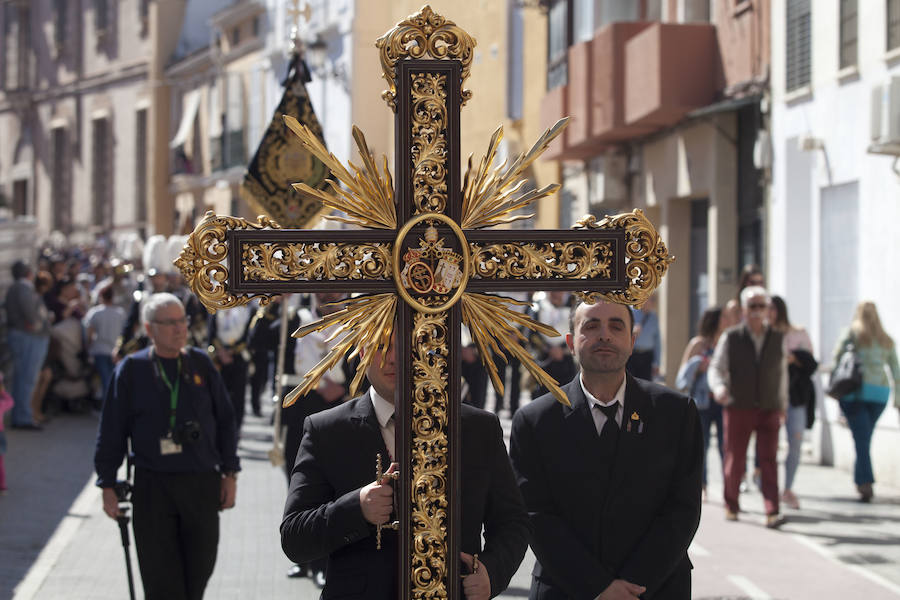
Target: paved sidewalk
(56,542)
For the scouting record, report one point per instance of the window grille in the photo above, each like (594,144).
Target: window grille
(849,29)
(799,42)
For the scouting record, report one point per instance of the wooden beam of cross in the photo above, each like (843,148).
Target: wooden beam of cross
(424,264)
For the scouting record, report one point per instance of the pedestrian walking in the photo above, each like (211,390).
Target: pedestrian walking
(102,324)
(171,403)
(692,380)
(877,354)
(801,391)
(28,337)
(748,376)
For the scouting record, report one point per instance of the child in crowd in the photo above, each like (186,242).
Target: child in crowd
(6,403)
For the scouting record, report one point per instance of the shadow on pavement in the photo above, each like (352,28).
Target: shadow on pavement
(45,472)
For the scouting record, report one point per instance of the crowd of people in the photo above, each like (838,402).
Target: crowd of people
(82,326)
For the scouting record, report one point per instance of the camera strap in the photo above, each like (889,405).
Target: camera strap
(173,391)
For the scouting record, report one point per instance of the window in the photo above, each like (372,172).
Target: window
(799,41)
(256,26)
(101,16)
(101,209)
(17,41)
(59,182)
(558,36)
(893,24)
(235,37)
(583,20)
(515,62)
(849,30)
(144,15)
(59,23)
(235,152)
(140,165)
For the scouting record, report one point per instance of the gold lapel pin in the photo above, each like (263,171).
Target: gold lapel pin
(635,417)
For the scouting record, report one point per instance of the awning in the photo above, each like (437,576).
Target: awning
(724,106)
(191,105)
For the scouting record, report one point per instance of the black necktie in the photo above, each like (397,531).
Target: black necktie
(609,435)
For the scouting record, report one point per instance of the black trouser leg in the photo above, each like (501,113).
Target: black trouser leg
(176,532)
(234,376)
(258,381)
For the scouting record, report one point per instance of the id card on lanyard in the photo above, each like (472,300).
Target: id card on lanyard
(167,444)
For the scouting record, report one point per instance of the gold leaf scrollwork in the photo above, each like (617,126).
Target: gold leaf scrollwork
(429,142)
(315,261)
(429,456)
(203,259)
(547,260)
(425,32)
(648,259)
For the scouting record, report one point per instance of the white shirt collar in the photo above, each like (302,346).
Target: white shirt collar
(618,397)
(383,409)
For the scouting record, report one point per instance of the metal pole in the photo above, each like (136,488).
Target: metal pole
(276,454)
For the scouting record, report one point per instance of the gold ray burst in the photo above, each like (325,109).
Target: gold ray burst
(490,320)
(491,194)
(369,197)
(367,323)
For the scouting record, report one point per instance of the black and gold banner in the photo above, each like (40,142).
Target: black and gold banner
(281,161)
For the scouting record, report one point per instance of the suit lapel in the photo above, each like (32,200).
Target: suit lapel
(637,404)
(581,424)
(367,432)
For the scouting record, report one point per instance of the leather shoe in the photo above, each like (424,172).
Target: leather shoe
(730,515)
(319,579)
(774,521)
(297,572)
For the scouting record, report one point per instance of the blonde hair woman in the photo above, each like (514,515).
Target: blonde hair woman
(875,350)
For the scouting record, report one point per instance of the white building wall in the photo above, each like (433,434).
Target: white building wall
(820,138)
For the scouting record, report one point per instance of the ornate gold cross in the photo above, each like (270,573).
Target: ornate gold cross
(423,262)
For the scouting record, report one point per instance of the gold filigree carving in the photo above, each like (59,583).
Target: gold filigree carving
(429,142)
(368,200)
(203,259)
(366,324)
(425,32)
(546,260)
(492,324)
(429,469)
(490,194)
(648,259)
(317,261)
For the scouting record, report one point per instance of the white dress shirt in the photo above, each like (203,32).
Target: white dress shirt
(384,412)
(598,416)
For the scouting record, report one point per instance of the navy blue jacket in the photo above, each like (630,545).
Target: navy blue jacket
(137,406)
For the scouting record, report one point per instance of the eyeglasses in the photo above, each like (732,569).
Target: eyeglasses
(172,322)
(757,306)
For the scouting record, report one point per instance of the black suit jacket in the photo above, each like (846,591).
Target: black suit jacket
(322,516)
(636,524)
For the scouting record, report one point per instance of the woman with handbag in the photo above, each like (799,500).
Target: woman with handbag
(691,378)
(874,351)
(801,391)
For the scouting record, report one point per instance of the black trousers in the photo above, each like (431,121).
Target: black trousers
(234,375)
(259,378)
(176,532)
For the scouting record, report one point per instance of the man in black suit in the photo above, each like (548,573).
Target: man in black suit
(333,505)
(614,500)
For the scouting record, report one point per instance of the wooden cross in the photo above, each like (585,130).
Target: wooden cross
(424,262)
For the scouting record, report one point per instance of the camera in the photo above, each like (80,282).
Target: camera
(187,433)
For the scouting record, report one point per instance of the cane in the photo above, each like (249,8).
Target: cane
(123,493)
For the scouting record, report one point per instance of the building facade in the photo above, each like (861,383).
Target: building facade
(835,196)
(667,102)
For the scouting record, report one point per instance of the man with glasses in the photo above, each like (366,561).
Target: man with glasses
(748,376)
(170,402)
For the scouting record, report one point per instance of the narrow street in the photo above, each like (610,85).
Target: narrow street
(55,542)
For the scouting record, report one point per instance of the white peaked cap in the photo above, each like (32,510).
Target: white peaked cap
(174,246)
(155,253)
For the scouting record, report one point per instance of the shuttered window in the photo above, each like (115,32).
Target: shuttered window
(101,170)
(62,199)
(893,24)
(799,42)
(849,36)
(559,34)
